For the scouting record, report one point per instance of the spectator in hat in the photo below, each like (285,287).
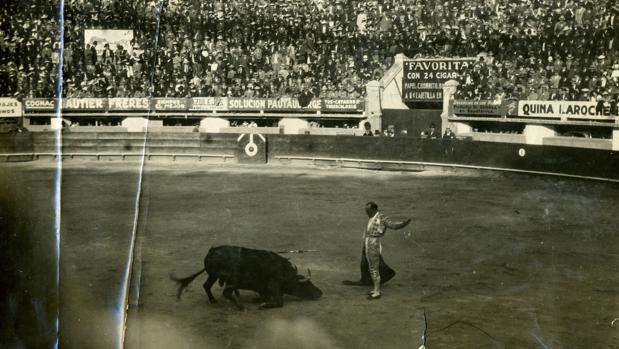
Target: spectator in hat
(449,134)
(584,95)
(93,52)
(107,55)
(544,93)
(367,129)
(599,107)
(432,133)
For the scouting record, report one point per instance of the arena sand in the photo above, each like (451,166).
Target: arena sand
(494,261)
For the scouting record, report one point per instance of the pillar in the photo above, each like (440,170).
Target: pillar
(535,134)
(25,122)
(373,106)
(293,126)
(135,124)
(213,125)
(449,90)
(460,128)
(56,124)
(138,124)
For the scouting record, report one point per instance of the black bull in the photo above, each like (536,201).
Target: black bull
(240,268)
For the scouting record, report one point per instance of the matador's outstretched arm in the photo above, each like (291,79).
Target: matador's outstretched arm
(392,224)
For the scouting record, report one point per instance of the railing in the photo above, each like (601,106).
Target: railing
(121,155)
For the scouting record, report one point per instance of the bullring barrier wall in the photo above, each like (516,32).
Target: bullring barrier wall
(121,145)
(414,121)
(336,150)
(446,152)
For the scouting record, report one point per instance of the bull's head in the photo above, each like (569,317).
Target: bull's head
(303,287)
(302,278)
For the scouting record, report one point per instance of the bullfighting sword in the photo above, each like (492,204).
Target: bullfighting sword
(297,251)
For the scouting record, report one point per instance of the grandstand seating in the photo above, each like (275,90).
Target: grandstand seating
(533,49)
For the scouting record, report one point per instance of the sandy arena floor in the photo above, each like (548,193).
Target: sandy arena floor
(495,261)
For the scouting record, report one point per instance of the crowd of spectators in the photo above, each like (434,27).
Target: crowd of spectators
(533,49)
(572,79)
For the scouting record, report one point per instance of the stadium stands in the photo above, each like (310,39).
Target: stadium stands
(532,49)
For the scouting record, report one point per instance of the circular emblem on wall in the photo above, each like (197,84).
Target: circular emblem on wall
(522,152)
(251,149)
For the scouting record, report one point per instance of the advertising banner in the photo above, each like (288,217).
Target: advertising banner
(287,103)
(39,104)
(178,104)
(479,108)
(423,79)
(10,108)
(70,104)
(343,104)
(195,104)
(128,104)
(563,109)
(208,103)
(113,37)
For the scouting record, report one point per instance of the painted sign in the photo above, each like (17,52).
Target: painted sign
(128,104)
(563,110)
(208,103)
(423,79)
(479,108)
(10,108)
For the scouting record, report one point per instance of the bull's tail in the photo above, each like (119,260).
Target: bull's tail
(184,282)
